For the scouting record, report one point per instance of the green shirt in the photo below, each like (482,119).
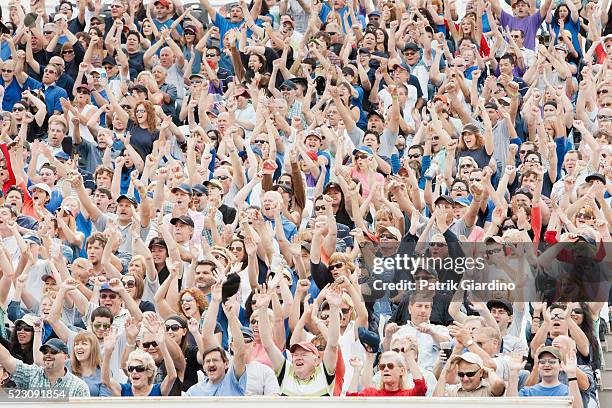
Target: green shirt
(33,377)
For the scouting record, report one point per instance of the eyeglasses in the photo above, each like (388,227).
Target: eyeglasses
(319,207)
(361,156)
(437,244)
(129,284)
(24,328)
(185,300)
(7,71)
(532,160)
(470,374)
(99,326)
(259,141)
(141,111)
(382,366)
(584,216)
(602,91)
(138,369)
(111,296)
(52,71)
(557,316)
(18,109)
(223,177)
(335,266)
(547,361)
(173,327)
(148,344)
(604,117)
(414,155)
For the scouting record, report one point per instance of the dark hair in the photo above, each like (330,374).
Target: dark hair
(14,188)
(217,50)
(102,312)
(133,32)
(556,17)
(105,191)
(587,328)
(510,57)
(24,353)
(212,350)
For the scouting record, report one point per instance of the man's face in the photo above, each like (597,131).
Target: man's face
(375,124)
(161,11)
(149,345)
(501,316)
(517,36)
(412,56)
(204,276)
(304,362)
(40,196)
(50,75)
(548,366)
(52,360)
(66,9)
(530,182)
(104,179)
(8,70)
(94,252)
(14,198)
(182,199)
(111,300)
(182,232)
(124,210)
(222,174)
(101,200)
(214,366)
(132,42)
(101,326)
(469,383)
(47,176)
(166,57)
(420,312)
(488,344)
(117,9)
(56,134)
(520,9)
(505,67)
(236,14)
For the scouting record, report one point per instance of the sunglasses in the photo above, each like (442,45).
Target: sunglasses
(584,216)
(24,328)
(466,165)
(7,71)
(549,361)
(185,300)
(414,155)
(18,109)
(469,374)
(361,156)
(48,32)
(459,188)
(105,296)
(525,151)
(148,344)
(577,310)
(129,284)
(223,177)
(602,91)
(211,55)
(604,117)
(508,227)
(346,311)
(259,141)
(138,369)
(557,316)
(319,207)
(141,111)
(399,350)
(253,321)
(126,106)
(382,366)
(99,326)
(50,70)
(67,52)
(50,351)
(437,244)
(335,266)
(324,316)
(173,327)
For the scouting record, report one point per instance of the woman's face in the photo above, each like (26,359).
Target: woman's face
(362,160)
(577,314)
(25,333)
(141,113)
(380,36)
(465,168)
(369,41)
(466,26)
(45,307)
(175,331)
(563,12)
(237,248)
(138,379)
(585,217)
(129,283)
(189,306)
(469,139)
(147,28)
(391,373)
(136,267)
(338,269)
(68,54)
(18,110)
(82,349)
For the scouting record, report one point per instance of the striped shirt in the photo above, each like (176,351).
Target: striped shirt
(33,377)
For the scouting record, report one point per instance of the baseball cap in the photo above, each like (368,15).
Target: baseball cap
(128,197)
(185,219)
(28,319)
(191,28)
(375,113)
(164,3)
(595,176)
(84,86)
(500,303)
(41,186)
(446,198)
(550,349)
(463,201)
(184,188)
(32,238)
(374,13)
(394,231)
(246,332)
(287,19)
(332,185)
(470,357)
(199,188)
(314,133)
(139,88)
(242,91)
(54,344)
(158,241)
(403,66)
(470,127)
(363,149)
(214,183)
(61,155)
(109,60)
(411,46)
(288,84)
(306,345)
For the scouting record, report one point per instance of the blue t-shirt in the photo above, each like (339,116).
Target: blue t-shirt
(224,26)
(228,387)
(126,390)
(538,390)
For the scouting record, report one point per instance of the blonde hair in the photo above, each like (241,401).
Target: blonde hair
(94,354)
(400,361)
(146,360)
(342,257)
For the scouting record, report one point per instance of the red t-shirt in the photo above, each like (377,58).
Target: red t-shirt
(419,390)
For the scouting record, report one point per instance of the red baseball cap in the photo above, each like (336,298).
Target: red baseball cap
(306,345)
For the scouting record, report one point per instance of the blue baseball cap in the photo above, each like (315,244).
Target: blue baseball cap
(364,149)
(184,187)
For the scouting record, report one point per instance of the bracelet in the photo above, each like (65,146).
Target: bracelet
(572,379)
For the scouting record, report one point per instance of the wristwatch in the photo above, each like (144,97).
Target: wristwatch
(469,343)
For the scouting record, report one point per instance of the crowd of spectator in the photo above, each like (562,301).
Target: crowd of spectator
(212,202)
